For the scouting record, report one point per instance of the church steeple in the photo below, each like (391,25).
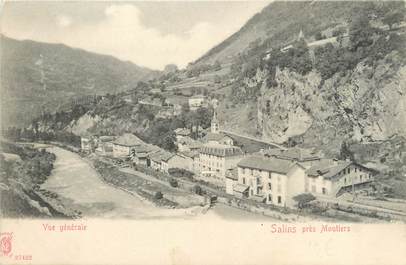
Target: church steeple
(214,123)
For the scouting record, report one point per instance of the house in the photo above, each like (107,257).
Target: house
(187,144)
(306,157)
(123,145)
(173,161)
(271,180)
(86,143)
(332,178)
(180,133)
(140,154)
(231,180)
(190,160)
(241,191)
(163,160)
(196,101)
(215,159)
(104,145)
(155,160)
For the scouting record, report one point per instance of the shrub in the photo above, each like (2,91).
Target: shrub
(158,195)
(173,182)
(198,190)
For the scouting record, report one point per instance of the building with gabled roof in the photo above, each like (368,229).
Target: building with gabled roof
(307,157)
(331,177)
(122,145)
(163,160)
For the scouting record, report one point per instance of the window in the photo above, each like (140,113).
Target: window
(360,178)
(348,170)
(324,191)
(243,180)
(270,198)
(345,180)
(279,199)
(269,186)
(259,190)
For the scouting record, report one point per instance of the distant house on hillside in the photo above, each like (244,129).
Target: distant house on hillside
(122,145)
(196,101)
(181,133)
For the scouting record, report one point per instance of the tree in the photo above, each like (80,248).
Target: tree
(173,182)
(319,36)
(393,18)
(303,199)
(198,190)
(361,32)
(158,195)
(345,152)
(216,66)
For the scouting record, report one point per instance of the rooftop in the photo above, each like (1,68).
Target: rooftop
(198,96)
(220,150)
(191,154)
(249,144)
(182,131)
(128,139)
(240,187)
(271,164)
(213,136)
(297,154)
(328,170)
(232,174)
(161,155)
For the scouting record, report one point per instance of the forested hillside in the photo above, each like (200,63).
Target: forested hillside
(39,76)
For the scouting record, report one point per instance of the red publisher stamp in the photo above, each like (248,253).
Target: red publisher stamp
(6,246)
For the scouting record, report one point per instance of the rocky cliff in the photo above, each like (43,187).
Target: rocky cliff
(366,103)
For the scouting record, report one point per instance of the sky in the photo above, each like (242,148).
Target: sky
(150,34)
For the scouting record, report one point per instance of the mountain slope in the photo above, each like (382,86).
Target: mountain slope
(37,76)
(343,78)
(280,22)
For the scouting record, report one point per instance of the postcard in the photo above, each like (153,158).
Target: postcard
(203,132)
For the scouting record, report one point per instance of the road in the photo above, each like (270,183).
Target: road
(79,186)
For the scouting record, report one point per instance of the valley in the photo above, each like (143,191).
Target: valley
(325,79)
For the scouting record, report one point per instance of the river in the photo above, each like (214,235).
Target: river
(79,186)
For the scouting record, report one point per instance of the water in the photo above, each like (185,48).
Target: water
(79,186)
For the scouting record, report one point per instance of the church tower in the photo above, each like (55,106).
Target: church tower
(214,123)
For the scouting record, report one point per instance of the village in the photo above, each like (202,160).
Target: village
(249,169)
